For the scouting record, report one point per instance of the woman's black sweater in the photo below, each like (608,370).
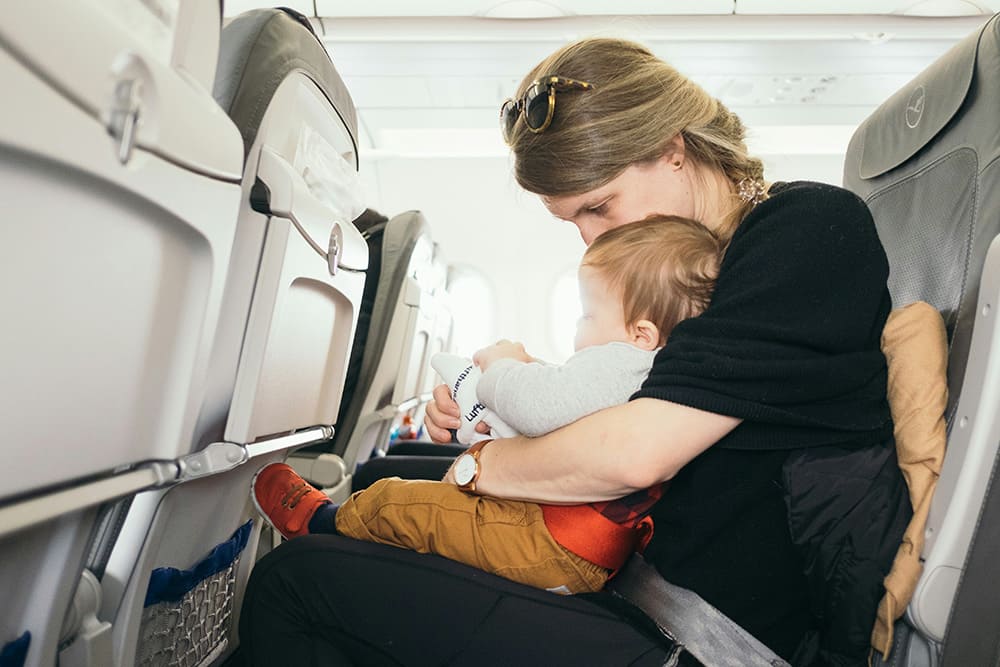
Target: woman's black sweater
(757,525)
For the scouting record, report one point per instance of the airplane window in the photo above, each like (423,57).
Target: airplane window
(565,310)
(473,305)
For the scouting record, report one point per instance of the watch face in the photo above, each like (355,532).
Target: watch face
(465,469)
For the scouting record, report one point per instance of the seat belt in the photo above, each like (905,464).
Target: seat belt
(698,627)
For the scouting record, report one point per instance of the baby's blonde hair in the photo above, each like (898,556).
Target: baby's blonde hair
(663,267)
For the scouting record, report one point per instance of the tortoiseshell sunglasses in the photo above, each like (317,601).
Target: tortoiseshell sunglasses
(538,104)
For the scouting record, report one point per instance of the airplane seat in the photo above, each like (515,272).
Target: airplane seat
(394,367)
(439,335)
(926,164)
(371,224)
(175,578)
(405,455)
(408,440)
(444,321)
(112,286)
(447,334)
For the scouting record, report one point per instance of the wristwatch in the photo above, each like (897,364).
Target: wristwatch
(467,467)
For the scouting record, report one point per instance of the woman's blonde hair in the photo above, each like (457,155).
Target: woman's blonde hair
(664,268)
(637,106)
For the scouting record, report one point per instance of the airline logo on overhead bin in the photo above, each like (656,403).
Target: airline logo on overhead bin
(915,107)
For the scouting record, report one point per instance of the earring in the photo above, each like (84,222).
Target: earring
(677,163)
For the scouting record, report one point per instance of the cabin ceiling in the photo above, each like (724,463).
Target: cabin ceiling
(564,8)
(428,77)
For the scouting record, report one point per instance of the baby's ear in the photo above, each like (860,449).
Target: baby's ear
(645,335)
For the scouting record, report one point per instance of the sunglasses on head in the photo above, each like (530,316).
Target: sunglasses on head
(537,105)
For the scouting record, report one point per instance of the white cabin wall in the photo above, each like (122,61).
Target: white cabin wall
(481,217)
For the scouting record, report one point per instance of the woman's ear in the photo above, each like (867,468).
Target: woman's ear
(645,335)
(674,151)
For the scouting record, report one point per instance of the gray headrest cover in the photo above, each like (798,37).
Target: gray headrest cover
(917,112)
(258,49)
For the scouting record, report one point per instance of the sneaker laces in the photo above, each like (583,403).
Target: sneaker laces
(294,495)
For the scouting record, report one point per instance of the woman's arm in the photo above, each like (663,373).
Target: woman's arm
(606,455)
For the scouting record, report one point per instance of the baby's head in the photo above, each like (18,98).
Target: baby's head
(637,281)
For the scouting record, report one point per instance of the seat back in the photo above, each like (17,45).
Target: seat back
(926,164)
(393,366)
(111,286)
(395,353)
(441,335)
(290,308)
(300,129)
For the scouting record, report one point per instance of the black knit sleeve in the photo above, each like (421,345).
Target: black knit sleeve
(791,338)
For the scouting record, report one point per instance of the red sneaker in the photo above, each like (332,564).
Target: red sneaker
(285,500)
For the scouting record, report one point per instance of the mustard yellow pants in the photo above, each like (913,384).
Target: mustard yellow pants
(504,537)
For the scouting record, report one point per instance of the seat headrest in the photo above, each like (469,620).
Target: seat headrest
(258,49)
(911,118)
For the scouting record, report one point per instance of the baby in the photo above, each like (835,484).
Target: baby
(637,282)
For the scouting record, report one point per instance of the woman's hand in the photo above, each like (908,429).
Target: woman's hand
(502,349)
(443,414)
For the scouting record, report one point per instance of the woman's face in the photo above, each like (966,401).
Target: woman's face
(661,187)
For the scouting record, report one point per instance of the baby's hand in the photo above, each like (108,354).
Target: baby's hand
(503,349)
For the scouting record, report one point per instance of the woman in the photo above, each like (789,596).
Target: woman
(767,413)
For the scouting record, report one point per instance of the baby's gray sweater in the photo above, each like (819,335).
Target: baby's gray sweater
(535,398)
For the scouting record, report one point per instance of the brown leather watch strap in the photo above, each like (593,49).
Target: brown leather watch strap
(474,451)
